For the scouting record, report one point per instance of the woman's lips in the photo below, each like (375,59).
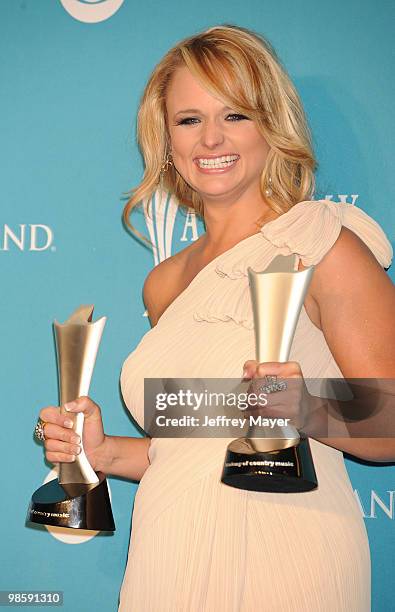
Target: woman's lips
(223,165)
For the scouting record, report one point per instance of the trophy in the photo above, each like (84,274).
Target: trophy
(79,497)
(279,461)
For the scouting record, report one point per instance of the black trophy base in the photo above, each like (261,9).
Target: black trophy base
(289,470)
(77,506)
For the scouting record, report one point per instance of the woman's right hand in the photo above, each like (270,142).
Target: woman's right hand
(61,443)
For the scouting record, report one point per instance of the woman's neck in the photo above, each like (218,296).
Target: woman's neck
(227,223)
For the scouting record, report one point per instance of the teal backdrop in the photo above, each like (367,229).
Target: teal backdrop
(70,90)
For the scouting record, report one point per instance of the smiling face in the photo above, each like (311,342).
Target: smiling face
(218,152)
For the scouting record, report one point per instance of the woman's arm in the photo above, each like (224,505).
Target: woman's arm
(123,456)
(356,304)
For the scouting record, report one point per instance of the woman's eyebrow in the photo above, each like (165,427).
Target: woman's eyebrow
(196,110)
(188,110)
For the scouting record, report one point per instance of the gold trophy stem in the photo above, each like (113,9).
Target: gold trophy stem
(277,297)
(77,343)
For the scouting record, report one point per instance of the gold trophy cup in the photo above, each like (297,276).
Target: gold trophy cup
(79,497)
(280,459)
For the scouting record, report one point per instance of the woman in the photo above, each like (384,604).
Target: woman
(222,126)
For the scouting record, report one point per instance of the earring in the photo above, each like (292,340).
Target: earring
(269,190)
(166,164)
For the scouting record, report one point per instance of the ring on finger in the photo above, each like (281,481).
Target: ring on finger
(273,385)
(39,430)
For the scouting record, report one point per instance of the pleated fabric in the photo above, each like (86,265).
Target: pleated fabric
(198,545)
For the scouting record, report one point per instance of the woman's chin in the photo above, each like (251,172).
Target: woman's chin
(219,189)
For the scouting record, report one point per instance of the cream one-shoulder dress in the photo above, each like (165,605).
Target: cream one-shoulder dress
(198,545)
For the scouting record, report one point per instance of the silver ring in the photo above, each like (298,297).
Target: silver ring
(39,430)
(272,385)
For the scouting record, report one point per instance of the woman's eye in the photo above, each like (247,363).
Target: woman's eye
(195,120)
(236,117)
(188,121)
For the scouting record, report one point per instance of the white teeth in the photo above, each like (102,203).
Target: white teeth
(217,162)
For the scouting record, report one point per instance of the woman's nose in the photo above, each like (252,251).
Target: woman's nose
(212,134)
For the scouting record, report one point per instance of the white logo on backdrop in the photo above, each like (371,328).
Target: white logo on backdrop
(91,11)
(343,198)
(160,212)
(32,237)
(385,506)
(64,534)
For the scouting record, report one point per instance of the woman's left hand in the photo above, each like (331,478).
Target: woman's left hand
(291,403)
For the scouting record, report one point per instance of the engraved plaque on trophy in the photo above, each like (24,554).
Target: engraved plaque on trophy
(79,497)
(278,460)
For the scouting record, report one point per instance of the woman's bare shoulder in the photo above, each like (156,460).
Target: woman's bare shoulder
(356,302)
(338,272)
(345,262)
(164,282)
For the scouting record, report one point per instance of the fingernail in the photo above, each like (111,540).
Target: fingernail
(69,406)
(72,458)
(68,423)
(76,439)
(245,373)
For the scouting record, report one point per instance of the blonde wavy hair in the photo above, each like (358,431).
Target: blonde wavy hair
(242,69)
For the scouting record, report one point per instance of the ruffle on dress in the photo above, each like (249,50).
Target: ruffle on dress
(309,230)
